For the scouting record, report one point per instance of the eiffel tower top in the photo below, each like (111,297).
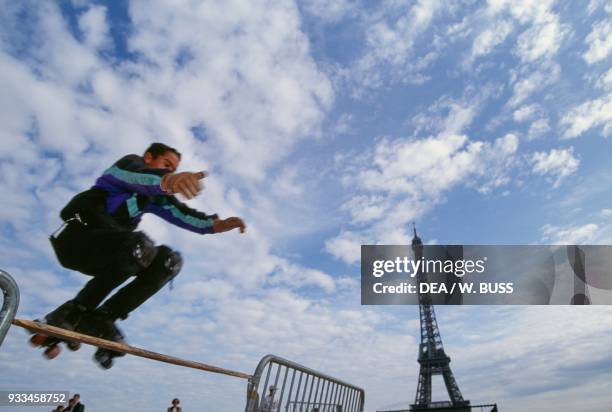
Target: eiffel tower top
(416,240)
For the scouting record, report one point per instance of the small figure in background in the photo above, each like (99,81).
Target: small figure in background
(269,404)
(74,404)
(175,406)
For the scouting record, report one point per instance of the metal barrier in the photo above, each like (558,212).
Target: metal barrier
(10,303)
(300,389)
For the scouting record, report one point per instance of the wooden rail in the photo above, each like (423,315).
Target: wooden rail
(123,348)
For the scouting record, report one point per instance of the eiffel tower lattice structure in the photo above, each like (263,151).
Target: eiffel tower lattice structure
(432,358)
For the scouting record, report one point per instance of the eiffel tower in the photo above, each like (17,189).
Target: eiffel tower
(432,358)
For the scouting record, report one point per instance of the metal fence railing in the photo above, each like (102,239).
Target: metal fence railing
(299,389)
(10,302)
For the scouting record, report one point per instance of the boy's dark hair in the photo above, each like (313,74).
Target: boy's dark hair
(158,149)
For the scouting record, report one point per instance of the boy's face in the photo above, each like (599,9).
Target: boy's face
(169,160)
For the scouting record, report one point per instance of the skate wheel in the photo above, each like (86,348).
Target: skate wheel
(107,364)
(103,358)
(52,352)
(38,340)
(73,346)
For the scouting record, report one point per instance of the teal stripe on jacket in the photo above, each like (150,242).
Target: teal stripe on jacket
(144,179)
(132,206)
(190,220)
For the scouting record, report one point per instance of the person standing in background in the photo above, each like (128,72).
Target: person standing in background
(269,404)
(175,406)
(75,405)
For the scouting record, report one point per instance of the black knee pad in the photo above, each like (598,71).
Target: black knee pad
(165,267)
(141,249)
(172,260)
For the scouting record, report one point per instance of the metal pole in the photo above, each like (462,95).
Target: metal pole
(9,304)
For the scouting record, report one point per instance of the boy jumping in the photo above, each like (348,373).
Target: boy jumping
(99,238)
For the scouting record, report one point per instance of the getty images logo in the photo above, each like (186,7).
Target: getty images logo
(411,267)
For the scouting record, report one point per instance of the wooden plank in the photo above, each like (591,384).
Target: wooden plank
(119,347)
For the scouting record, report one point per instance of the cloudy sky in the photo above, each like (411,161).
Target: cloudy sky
(326,124)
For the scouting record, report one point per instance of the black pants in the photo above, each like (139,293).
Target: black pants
(111,256)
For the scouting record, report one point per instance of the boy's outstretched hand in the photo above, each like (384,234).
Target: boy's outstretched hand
(185,183)
(223,225)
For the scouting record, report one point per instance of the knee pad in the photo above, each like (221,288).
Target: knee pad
(172,260)
(142,250)
(165,267)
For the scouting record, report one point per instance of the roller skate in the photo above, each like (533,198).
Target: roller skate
(101,324)
(67,316)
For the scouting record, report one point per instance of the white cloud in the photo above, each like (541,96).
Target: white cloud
(430,165)
(95,28)
(593,113)
(525,11)
(536,46)
(533,112)
(542,40)
(557,164)
(451,116)
(599,42)
(489,38)
(594,5)
(343,125)
(330,11)
(526,86)
(390,40)
(538,128)
(460,30)
(573,235)
(213,86)
(270,69)
(404,178)
(456,116)
(287,184)
(366,208)
(524,113)
(346,246)
(296,276)
(499,18)
(604,81)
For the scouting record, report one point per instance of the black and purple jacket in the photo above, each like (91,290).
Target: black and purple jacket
(129,189)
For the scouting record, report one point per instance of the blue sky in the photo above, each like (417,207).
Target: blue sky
(325,124)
